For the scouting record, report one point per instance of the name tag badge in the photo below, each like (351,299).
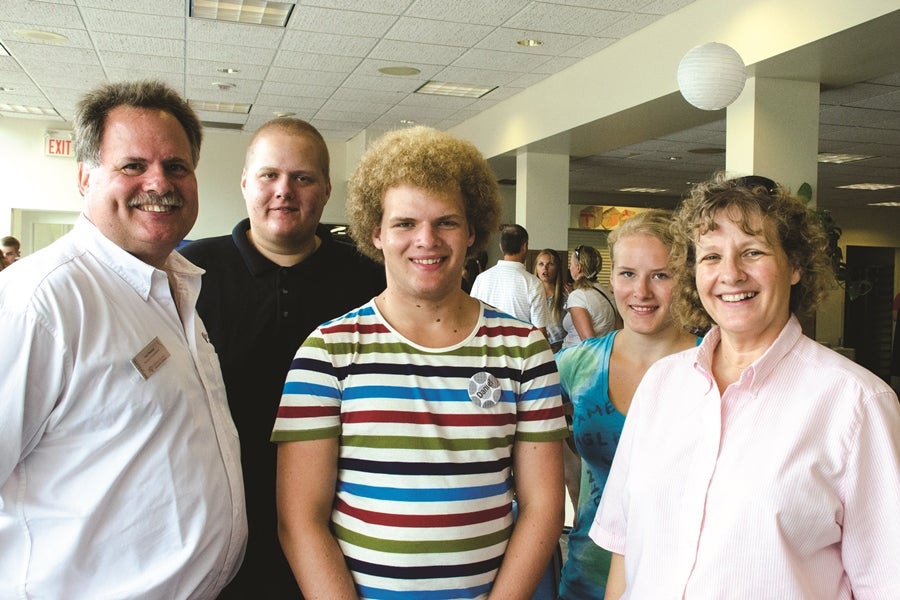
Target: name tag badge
(150,359)
(484,389)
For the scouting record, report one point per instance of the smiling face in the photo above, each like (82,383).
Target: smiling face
(424,236)
(744,280)
(143,193)
(642,283)
(285,189)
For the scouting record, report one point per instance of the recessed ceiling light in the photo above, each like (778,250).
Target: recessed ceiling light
(229,107)
(223,86)
(869,186)
(284,114)
(257,12)
(707,151)
(839,159)
(228,70)
(530,42)
(400,71)
(643,190)
(27,110)
(441,88)
(37,35)
(885,204)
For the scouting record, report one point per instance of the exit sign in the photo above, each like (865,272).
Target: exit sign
(58,143)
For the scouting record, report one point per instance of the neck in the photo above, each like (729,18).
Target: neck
(648,348)
(286,255)
(430,323)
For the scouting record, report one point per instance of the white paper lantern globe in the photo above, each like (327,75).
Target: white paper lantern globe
(711,76)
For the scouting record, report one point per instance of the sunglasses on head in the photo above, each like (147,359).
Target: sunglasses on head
(752,182)
(578,251)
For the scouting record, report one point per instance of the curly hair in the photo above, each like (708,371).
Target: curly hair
(798,230)
(425,158)
(93,109)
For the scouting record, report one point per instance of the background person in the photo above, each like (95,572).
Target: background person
(509,287)
(403,421)
(548,268)
(277,277)
(119,463)
(12,250)
(789,482)
(600,375)
(589,308)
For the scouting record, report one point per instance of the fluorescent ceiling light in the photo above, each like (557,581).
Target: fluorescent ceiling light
(37,35)
(869,186)
(399,71)
(257,12)
(839,159)
(641,190)
(896,204)
(27,110)
(441,88)
(228,107)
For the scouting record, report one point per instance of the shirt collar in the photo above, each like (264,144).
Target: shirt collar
(758,371)
(258,264)
(138,274)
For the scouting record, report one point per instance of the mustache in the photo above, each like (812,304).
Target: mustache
(144,198)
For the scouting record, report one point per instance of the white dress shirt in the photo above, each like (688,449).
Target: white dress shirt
(113,484)
(509,287)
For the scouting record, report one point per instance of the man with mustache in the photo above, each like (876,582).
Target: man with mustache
(278,276)
(119,462)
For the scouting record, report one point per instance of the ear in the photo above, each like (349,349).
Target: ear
(376,238)
(84,176)
(795,276)
(471,236)
(327,192)
(244,180)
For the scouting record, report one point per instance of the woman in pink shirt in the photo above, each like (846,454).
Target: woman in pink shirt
(760,464)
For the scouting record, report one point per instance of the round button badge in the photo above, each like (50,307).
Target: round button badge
(484,389)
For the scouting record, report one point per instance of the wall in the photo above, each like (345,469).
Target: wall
(33,181)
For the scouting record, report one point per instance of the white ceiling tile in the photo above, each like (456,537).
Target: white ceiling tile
(387,7)
(382,96)
(628,25)
(77,38)
(476,58)
(467,11)
(577,20)
(340,45)
(447,33)
(233,34)
(175,80)
(370,67)
(115,21)
(129,60)
(316,62)
(344,22)
(170,8)
(48,15)
(397,51)
(296,103)
(211,67)
(323,78)
(553,44)
(664,7)
(296,89)
(484,77)
(382,82)
(360,108)
(230,54)
(117,42)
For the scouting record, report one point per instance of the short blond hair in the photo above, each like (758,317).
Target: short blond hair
(425,158)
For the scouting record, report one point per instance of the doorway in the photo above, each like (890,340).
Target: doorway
(869,292)
(39,228)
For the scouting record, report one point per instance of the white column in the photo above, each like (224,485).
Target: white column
(542,198)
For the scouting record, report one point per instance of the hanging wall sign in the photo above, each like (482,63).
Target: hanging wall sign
(58,143)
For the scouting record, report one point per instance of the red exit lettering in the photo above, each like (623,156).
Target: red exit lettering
(59,147)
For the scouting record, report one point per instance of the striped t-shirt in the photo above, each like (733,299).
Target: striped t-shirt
(424,492)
